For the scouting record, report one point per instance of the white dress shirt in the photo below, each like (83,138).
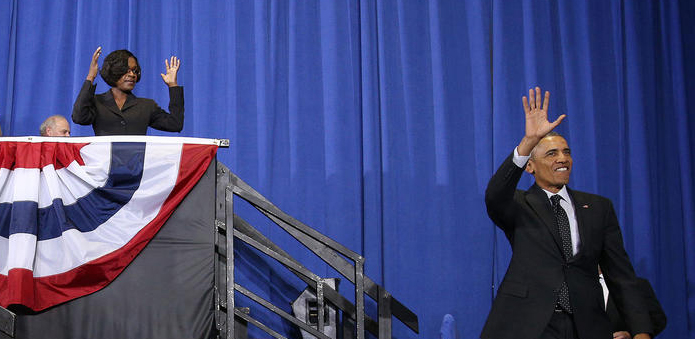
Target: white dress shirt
(604,287)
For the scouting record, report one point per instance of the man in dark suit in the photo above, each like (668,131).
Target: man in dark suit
(558,237)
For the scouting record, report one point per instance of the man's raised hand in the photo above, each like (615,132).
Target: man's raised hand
(536,109)
(537,124)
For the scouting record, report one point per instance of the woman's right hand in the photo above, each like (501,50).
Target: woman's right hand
(94,65)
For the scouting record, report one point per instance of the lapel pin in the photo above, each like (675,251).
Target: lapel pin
(585,206)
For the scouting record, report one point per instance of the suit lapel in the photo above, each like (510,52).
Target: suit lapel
(129,102)
(540,203)
(107,100)
(110,103)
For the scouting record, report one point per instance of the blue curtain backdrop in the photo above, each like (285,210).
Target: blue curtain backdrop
(379,122)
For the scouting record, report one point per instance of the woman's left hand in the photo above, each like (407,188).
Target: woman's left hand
(172,67)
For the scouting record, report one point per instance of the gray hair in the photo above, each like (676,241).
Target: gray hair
(49,122)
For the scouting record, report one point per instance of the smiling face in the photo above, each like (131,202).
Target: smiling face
(551,163)
(127,82)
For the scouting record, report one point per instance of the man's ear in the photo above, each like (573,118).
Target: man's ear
(529,167)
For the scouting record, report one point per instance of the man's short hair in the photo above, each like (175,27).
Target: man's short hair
(550,134)
(49,122)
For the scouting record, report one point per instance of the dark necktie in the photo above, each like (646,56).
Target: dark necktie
(563,226)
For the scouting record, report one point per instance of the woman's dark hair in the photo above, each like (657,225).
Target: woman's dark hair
(116,65)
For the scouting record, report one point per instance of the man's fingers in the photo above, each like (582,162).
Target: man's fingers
(546,101)
(535,101)
(558,120)
(524,100)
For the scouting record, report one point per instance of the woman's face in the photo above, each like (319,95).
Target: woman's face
(127,82)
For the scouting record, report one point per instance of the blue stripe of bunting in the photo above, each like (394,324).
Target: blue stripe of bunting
(90,211)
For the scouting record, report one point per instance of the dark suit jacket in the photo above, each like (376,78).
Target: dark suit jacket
(137,114)
(526,297)
(656,313)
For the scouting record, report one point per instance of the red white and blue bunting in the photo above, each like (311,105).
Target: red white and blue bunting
(74,212)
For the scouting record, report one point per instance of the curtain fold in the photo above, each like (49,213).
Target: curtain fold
(379,122)
(7,59)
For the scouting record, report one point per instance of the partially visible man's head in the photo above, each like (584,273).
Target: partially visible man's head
(55,126)
(551,162)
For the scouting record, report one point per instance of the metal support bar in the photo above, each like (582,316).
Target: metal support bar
(258,324)
(219,287)
(229,206)
(299,269)
(319,304)
(279,312)
(384,304)
(359,297)
(347,307)
(333,253)
(7,322)
(241,325)
(346,269)
(247,193)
